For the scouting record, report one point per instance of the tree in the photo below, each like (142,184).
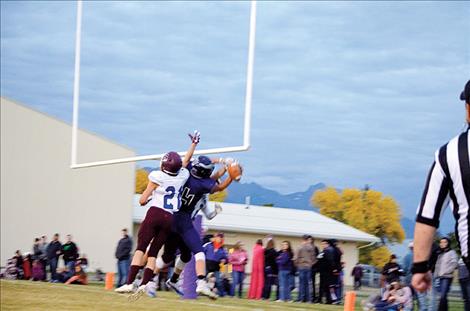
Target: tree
(218,196)
(141,180)
(367,210)
(380,256)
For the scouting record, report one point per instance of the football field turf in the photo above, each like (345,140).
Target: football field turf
(38,296)
(27,295)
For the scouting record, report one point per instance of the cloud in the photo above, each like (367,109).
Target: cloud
(344,93)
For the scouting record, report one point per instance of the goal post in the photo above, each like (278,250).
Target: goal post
(76,101)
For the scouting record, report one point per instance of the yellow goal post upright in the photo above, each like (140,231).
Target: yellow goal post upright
(76,95)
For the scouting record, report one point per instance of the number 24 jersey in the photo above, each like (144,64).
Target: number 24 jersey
(168,193)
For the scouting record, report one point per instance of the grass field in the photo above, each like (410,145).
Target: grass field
(38,296)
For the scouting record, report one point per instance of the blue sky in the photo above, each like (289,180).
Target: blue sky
(344,93)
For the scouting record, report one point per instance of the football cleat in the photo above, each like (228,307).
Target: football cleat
(203,289)
(151,289)
(174,286)
(124,289)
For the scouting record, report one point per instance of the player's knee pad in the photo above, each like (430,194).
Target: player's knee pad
(160,263)
(200,256)
(180,264)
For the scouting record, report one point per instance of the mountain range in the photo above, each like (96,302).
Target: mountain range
(259,195)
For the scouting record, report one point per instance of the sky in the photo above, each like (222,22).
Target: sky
(344,93)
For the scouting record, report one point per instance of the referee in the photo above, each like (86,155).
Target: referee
(448,182)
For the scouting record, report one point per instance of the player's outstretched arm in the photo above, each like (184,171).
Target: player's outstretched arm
(220,172)
(195,137)
(147,193)
(222,185)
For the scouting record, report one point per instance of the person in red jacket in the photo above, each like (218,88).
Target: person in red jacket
(257,272)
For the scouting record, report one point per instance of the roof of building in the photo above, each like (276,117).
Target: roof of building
(276,221)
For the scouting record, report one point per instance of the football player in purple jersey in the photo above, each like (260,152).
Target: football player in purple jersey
(184,236)
(164,188)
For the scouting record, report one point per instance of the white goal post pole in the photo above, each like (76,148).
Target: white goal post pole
(248,99)
(76,83)
(249,76)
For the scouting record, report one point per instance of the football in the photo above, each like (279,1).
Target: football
(235,171)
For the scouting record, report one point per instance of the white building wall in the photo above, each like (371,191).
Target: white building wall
(40,194)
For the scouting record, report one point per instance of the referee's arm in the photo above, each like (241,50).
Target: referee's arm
(433,202)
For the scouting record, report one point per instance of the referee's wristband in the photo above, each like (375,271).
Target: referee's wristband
(420,267)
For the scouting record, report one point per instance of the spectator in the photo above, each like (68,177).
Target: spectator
(38,254)
(324,290)
(27,266)
(434,295)
(123,255)
(315,269)
(338,270)
(83,262)
(19,264)
(37,249)
(330,255)
(304,261)
(53,251)
(257,272)
(445,266)
(285,264)
(396,297)
(357,274)
(70,253)
(11,272)
(391,271)
(215,256)
(163,276)
(407,264)
(464,280)
(79,277)
(270,269)
(238,259)
(38,271)
(43,247)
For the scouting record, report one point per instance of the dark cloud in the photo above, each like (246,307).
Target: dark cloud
(344,93)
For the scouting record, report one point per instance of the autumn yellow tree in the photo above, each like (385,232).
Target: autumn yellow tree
(367,210)
(218,196)
(141,180)
(379,256)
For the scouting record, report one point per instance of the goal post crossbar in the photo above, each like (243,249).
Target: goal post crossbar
(76,91)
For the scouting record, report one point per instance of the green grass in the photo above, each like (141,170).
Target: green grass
(27,295)
(38,296)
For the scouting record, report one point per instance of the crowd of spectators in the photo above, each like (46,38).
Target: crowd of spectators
(398,294)
(285,270)
(42,263)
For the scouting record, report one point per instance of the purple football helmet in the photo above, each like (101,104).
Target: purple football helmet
(202,167)
(171,163)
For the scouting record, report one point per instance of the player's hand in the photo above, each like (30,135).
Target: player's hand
(421,282)
(195,137)
(227,161)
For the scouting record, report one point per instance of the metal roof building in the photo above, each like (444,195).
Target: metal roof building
(240,222)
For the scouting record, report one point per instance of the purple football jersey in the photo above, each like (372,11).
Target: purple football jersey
(193,190)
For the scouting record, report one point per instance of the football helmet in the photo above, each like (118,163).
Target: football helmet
(202,167)
(171,163)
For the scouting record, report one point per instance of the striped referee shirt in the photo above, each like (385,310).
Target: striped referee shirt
(448,183)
